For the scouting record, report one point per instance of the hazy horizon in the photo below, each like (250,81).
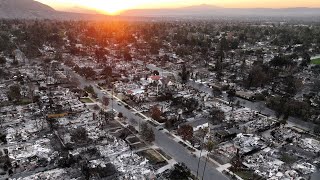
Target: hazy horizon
(117,7)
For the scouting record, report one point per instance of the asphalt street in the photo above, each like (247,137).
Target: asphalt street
(167,144)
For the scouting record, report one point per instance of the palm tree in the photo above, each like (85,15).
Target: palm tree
(210,145)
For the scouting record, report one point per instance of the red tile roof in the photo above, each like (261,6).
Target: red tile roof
(155,78)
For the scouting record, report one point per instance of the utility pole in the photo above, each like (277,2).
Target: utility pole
(139,124)
(112,98)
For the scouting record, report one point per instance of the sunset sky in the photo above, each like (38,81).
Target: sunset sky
(116,6)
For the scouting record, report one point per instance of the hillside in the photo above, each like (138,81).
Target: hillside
(24,9)
(30,9)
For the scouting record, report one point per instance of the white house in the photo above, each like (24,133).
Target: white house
(199,124)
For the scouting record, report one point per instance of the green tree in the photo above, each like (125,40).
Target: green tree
(89,89)
(15,62)
(216,115)
(127,55)
(88,72)
(186,132)
(79,135)
(231,96)
(292,85)
(156,113)
(184,74)
(147,132)
(316,130)
(15,92)
(105,101)
(316,84)
(306,57)
(257,77)
(2,60)
(180,172)
(107,71)
(224,45)
(100,53)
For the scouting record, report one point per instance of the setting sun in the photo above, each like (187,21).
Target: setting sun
(111,8)
(116,9)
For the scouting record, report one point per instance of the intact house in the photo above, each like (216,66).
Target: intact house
(198,124)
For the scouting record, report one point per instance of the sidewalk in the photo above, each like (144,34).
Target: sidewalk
(171,162)
(166,167)
(175,138)
(224,167)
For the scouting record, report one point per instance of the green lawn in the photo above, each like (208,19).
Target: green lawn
(86,100)
(246,175)
(24,102)
(153,156)
(164,154)
(316,61)
(288,159)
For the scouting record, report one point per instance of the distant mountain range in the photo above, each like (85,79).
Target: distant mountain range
(30,9)
(214,11)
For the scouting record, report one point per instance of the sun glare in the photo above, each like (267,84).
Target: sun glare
(109,7)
